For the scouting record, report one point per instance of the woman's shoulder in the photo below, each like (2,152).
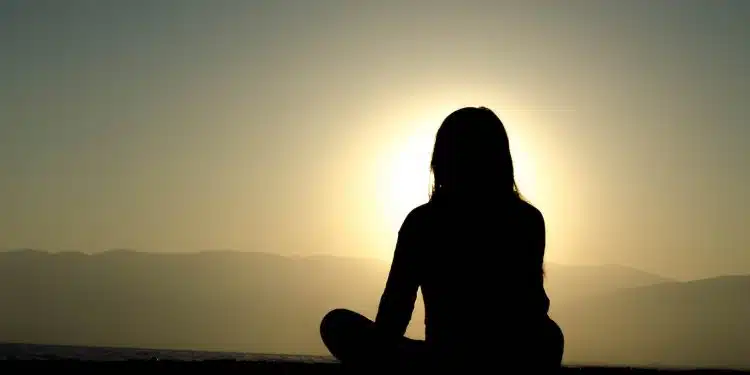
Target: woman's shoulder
(529,210)
(531,215)
(419,214)
(413,224)
(424,213)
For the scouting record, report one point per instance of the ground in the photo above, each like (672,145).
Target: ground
(262,367)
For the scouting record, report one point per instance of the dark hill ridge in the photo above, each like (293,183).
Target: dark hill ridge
(256,302)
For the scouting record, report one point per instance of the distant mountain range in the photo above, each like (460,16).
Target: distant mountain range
(265,303)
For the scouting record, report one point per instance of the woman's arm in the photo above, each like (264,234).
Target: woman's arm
(397,301)
(539,243)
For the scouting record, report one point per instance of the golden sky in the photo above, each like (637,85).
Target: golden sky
(305,126)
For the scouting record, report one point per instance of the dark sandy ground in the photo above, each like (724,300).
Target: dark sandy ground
(28,358)
(263,367)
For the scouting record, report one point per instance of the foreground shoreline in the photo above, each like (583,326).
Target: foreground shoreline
(26,358)
(13,366)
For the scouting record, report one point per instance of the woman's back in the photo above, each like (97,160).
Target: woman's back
(479,265)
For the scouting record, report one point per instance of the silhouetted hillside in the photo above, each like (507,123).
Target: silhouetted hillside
(260,302)
(214,300)
(568,283)
(697,323)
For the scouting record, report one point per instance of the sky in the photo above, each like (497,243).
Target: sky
(305,127)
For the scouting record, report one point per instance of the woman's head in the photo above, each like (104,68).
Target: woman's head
(472,155)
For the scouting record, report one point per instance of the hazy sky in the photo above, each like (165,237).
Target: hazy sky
(306,126)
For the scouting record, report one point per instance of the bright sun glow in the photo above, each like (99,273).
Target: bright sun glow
(524,169)
(406,176)
(402,176)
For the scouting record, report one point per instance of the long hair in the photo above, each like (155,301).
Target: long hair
(472,156)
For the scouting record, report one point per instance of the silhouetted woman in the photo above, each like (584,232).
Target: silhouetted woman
(476,250)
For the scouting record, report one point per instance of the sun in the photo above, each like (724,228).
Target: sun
(523,168)
(405,176)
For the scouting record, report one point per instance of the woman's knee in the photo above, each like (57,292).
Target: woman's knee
(331,321)
(346,334)
(339,324)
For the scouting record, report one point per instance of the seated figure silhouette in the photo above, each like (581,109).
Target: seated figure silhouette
(476,250)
